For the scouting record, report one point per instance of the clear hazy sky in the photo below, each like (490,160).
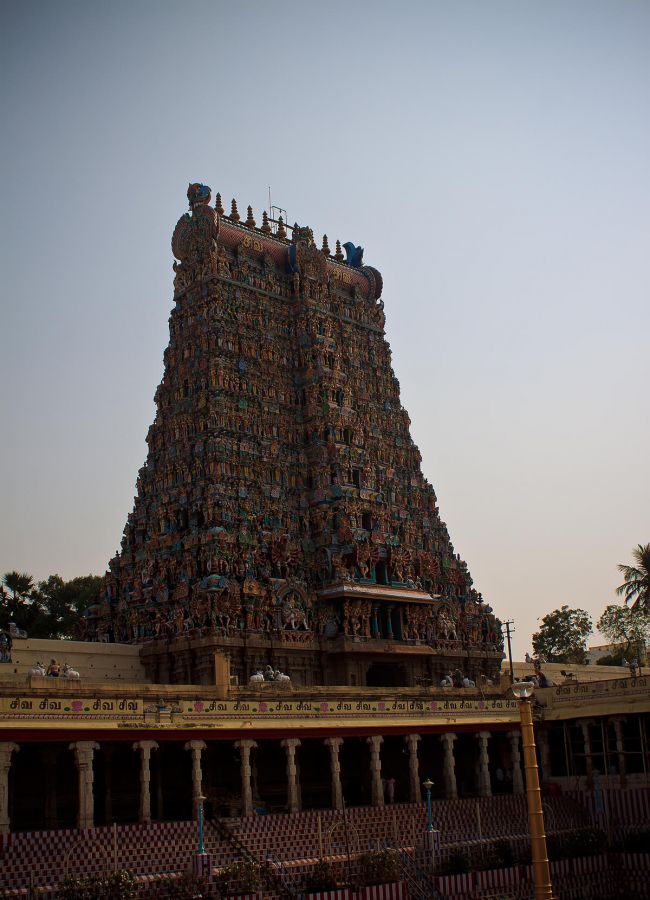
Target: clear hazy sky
(491,157)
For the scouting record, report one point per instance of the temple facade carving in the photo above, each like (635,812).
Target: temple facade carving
(282,507)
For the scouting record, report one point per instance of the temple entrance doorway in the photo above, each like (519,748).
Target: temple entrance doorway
(386,675)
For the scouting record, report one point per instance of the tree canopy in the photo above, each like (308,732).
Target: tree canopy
(628,626)
(562,636)
(49,609)
(636,587)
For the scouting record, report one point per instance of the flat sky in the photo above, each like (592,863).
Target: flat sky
(491,157)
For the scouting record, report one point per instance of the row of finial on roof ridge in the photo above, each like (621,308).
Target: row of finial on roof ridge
(265,227)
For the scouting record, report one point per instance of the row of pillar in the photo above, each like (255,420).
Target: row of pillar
(376,785)
(84,752)
(83,757)
(585,726)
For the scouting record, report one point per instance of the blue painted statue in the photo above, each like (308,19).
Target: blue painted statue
(354,254)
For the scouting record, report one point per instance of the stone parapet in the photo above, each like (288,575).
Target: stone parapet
(46,703)
(94,661)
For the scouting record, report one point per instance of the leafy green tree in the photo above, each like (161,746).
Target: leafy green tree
(49,610)
(65,601)
(626,625)
(617,658)
(636,587)
(22,605)
(562,636)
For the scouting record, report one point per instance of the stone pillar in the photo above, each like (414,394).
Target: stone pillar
(293,800)
(389,623)
(377,790)
(375,623)
(145,748)
(517,779)
(484,786)
(83,757)
(617,722)
(544,754)
(245,748)
(334,745)
(195,748)
(449,765)
(49,760)
(6,749)
(586,736)
(411,741)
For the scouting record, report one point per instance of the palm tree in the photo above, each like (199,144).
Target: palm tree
(23,606)
(636,587)
(20,584)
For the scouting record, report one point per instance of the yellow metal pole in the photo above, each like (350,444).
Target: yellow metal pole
(541,870)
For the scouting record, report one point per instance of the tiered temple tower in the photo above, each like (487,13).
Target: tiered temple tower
(281,516)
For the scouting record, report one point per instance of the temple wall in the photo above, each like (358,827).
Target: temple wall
(93,661)
(523,670)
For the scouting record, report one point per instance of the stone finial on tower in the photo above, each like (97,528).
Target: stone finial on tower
(282,231)
(218,205)
(250,221)
(266,228)
(325,249)
(198,194)
(234,214)
(339,253)
(195,236)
